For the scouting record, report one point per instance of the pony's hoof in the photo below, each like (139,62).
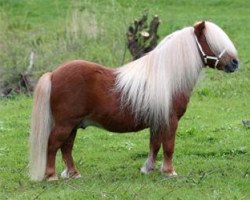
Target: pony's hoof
(52,178)
(168,173)
(66,174)
(76,176)
(171,174)
(146,170)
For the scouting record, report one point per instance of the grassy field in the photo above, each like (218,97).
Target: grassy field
(212,154)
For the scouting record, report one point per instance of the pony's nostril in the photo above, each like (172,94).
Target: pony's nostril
(235,62)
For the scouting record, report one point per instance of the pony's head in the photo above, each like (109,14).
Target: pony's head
(215,47)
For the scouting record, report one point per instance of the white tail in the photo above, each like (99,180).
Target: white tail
(40,128)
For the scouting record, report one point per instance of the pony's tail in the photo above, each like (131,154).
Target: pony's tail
(41,126)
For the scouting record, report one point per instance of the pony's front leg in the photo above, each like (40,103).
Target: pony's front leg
(155,144)
(168,143)
(66,149)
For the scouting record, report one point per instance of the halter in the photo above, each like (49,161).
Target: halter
(206,57)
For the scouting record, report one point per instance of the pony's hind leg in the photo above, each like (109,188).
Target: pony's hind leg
(155,144)
(58,136)
(168,143)
(66,149)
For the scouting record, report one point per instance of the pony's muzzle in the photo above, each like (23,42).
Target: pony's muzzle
(232,66)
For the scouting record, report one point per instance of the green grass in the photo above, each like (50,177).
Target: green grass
(212,153)
(212,157)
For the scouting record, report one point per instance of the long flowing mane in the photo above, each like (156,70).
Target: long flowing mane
(149,84)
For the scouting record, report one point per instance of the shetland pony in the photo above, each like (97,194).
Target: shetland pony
(151,92)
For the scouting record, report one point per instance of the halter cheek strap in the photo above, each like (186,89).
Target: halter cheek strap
(206,57)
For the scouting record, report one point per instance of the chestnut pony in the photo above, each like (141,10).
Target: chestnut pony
(151,92)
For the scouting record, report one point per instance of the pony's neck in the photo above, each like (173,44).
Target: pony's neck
(149,83)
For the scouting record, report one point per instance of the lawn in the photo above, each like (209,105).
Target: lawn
(212,154)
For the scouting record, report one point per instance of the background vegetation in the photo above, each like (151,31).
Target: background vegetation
(212,147)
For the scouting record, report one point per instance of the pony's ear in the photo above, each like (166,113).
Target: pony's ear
(198,27)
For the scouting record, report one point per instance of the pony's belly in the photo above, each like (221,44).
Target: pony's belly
(112,126)
(86,122)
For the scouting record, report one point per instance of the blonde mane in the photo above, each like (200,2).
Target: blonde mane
(149,83)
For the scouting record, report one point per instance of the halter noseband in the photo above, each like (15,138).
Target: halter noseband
(206,57)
